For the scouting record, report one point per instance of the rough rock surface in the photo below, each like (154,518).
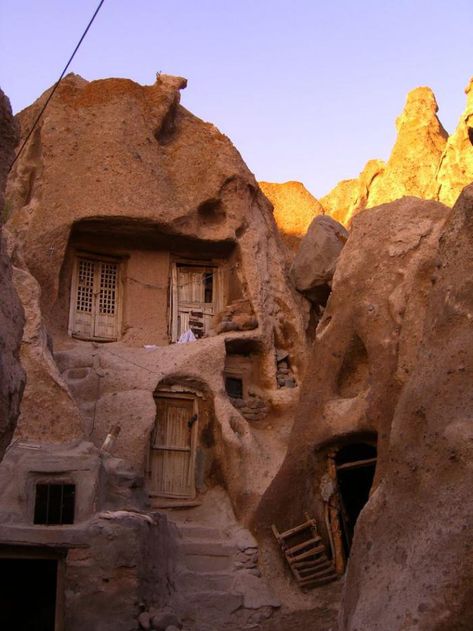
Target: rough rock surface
(48,412)
(11,315)
(315,261)
(365,348)
(456,166)
(294,209)
(410,170)
(410,568)
(416,155)
(349,196)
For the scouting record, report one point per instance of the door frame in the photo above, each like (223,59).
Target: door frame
(176,392)
(101,258)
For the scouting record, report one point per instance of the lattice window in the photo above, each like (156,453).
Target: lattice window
(108,288)
(95,299)
(85,288)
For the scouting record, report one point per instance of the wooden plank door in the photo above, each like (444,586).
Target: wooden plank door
(194,295)
(173,444)
(94,309)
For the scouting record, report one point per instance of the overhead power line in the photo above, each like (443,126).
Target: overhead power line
(56,85)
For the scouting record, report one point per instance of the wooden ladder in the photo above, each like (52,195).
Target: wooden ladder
(305,553)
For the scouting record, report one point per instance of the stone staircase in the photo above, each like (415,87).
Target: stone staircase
(218,584)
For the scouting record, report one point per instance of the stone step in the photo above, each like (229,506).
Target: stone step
(197,531)
(208,563)
(205,581)
(207,547)
(214,603)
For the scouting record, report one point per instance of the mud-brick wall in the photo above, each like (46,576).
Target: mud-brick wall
(128,562)
(146,305)
(145,278)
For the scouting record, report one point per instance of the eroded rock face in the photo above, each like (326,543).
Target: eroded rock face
(410,566)
(456,166)
(365,349)
(128,209)
(349,195)
(415,158)
(425,161)
(410,170)
(294,209)
(156,185)
(11,315)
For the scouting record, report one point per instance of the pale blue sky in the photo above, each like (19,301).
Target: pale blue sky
(307,90)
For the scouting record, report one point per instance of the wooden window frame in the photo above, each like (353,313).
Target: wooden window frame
(219,289)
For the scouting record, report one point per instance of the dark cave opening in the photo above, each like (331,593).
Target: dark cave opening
(355,465)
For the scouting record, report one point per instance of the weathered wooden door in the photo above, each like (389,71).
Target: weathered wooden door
(194,297)
(173,444)
(94,310)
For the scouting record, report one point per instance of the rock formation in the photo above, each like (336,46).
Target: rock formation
(158,311)
(365,349)
(349,196)
(410,170)
(409,567)
(11,316)
(294,209)
(456,165)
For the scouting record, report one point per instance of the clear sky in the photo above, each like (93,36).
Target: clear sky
(307,90)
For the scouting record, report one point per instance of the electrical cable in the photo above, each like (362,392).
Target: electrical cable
(56,85)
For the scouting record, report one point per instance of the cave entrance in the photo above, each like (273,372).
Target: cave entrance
(355,465)
(351,469)
(31,598)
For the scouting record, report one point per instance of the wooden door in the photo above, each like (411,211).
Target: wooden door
(194,294)
(94,310)
(173,444)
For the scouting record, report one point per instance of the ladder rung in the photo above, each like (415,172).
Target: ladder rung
(292,531)
(304,544)
(322,560)
(305,555)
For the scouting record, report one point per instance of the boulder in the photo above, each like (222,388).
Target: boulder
(165,619)
(316,259)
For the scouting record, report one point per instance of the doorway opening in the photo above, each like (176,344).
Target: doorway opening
(171,467)
(355,465)
(345,490)
(35,581)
